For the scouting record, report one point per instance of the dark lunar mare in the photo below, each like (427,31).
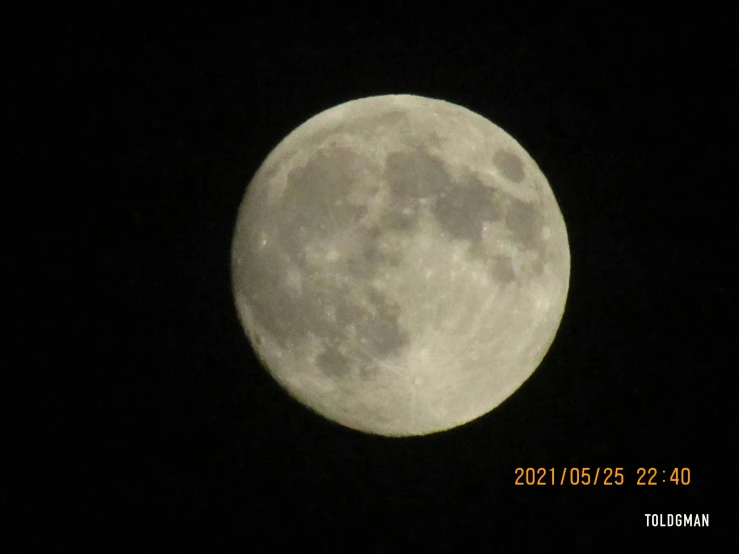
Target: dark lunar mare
(315,207)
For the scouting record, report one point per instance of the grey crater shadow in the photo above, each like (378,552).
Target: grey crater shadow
(510,165)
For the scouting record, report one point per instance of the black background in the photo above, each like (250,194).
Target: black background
(137,408)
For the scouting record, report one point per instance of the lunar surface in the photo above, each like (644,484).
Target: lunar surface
(400,265)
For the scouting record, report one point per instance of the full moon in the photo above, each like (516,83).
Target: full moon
(400,265)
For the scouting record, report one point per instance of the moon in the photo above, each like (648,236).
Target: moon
(400,265)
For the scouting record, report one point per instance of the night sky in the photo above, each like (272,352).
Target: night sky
(135,407)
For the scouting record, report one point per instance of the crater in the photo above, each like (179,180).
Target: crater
(509,165)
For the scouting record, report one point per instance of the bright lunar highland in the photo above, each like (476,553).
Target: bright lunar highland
(400,265)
